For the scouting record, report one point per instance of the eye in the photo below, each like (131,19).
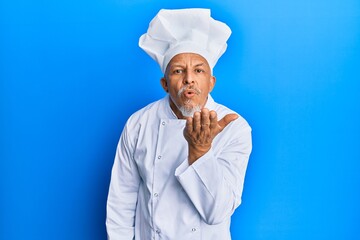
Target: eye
(178,71)
(199,70)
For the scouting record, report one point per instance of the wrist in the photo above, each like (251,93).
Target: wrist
(196,152)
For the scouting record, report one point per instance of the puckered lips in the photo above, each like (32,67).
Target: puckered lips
(189,93)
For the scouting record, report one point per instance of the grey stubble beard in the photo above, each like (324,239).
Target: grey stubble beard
(185,109)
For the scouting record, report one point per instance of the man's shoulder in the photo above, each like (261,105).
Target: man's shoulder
(148,111)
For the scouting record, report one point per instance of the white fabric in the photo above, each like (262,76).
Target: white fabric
(185,30)
(155,194)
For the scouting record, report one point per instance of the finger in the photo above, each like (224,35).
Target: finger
(227,119)
(196,122)
(213,120)
(205,120)
(189,125)
(205,126)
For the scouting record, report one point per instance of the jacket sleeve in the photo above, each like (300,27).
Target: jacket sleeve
(214,182)
(123,192)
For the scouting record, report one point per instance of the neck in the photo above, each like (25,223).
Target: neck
(175,109)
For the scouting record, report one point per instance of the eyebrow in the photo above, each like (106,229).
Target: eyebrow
(181,65)
(176,65)
(199,64)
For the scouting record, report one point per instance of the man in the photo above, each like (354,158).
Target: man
(180,163)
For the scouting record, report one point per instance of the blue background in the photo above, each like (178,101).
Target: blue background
(71,74)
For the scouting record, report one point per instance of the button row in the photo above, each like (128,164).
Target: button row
(158,231)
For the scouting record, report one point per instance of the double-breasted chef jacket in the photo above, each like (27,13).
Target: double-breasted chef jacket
(155,194)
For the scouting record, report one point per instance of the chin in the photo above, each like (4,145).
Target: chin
(188,111)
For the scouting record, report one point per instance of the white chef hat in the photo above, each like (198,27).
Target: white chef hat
(193,30)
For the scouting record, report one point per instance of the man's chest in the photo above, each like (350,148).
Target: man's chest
(160,149)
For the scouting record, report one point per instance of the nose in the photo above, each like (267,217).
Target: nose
(189,78)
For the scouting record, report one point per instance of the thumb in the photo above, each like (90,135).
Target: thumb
(227,119)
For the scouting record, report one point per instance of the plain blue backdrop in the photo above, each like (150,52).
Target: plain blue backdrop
(71,74)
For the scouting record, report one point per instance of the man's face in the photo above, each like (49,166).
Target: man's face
(188,81)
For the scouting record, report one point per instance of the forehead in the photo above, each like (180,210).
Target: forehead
(188,59)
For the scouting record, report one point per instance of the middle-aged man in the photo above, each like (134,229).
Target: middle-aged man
(180,163)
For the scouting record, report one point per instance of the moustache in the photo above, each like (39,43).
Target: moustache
(186,88)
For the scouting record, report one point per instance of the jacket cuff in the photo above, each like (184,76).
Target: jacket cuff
(204,171)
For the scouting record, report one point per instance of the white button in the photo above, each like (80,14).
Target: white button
(163,123)
(194,229)
(158,231)
(159,157)
(156,195)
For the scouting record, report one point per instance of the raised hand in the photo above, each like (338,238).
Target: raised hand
(201,129)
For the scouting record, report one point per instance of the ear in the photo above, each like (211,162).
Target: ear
(164,84)
(212,83)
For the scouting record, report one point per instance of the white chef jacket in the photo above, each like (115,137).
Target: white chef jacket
(155,194)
